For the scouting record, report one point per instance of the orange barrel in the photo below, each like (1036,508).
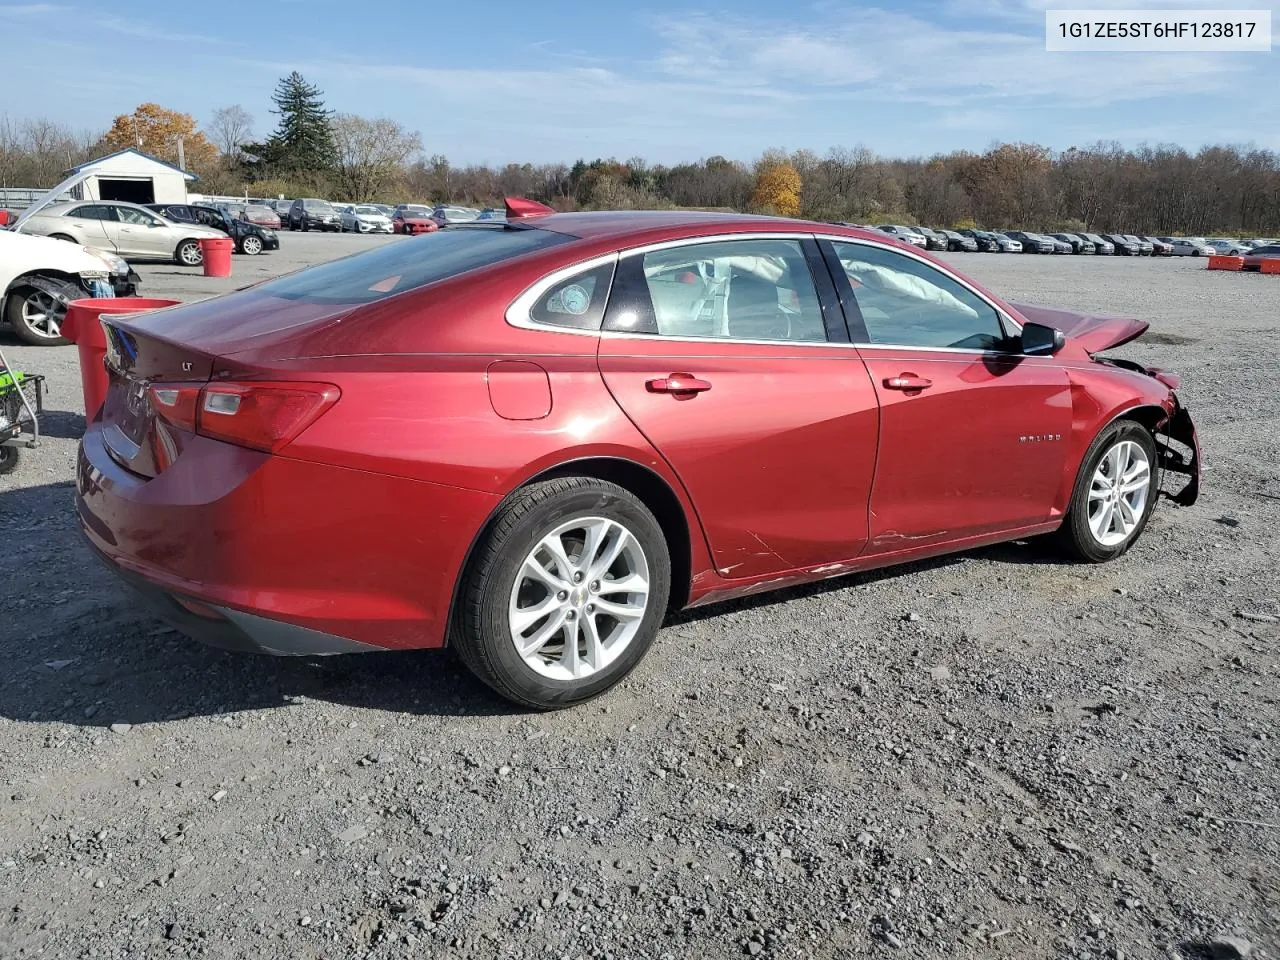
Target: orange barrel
(217,256)
(82,328)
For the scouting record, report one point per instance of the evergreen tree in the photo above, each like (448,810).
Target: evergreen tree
(303,139)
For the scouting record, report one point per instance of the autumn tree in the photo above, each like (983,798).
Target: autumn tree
(777,188)
(165,134)
(371,154)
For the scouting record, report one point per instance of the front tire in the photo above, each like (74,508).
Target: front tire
(62,236)
(36,316)
(1114,494)
(564,594)
(251,246)
(9,457)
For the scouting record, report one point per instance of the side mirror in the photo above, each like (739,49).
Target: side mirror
(1041,341)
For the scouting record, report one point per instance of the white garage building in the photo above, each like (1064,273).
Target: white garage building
(133,176)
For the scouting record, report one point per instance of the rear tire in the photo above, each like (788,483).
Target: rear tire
(189,254)
(1091,534)
(9,457)
(499,591)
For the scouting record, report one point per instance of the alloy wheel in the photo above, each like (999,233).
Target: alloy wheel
(1118,493)
(42,315)
(191,254)
(579,598)
(251,245)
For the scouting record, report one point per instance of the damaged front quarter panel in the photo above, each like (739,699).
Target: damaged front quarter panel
(1180,430)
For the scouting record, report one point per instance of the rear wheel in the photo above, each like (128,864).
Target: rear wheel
(1114,494)
(189,253)
(565,593)
(9,457)
(36,315)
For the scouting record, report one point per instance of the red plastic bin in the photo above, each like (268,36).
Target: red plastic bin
(82,327)
(216,252)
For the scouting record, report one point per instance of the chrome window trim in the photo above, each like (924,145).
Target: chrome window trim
(519,312)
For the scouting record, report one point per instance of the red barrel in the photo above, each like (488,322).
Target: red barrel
(217,256)
(82,328)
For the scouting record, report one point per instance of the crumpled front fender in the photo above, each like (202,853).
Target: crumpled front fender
(1180,429)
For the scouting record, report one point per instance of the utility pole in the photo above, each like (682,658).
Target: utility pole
(182,157)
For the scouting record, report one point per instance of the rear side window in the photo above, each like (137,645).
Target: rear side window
(397,267)
(576,301)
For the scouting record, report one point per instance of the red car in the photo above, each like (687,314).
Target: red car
(407,218)
(1253,259)
(262,215)
(532,439)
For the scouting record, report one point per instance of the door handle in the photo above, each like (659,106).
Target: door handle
(677,383)
(907,381)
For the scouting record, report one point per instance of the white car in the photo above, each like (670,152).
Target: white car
(39,276)
(131,231)
(905,234)
(1189,247)
(365,218)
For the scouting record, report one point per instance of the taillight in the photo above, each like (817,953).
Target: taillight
(263,416)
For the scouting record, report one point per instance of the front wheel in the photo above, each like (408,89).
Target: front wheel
(565,593)
(36,315)
(9,457)
(189,253)
(1114,494)
(251,246)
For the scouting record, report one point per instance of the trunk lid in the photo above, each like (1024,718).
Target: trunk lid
(1094,332)
(184,345)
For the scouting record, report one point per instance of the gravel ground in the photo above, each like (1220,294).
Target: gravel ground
(989,755)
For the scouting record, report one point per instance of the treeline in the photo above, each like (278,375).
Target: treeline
(312,152)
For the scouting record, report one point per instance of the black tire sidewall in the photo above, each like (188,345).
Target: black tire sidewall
(19,326)
(492,631)
(177,254)
(1081,539)
(9,457)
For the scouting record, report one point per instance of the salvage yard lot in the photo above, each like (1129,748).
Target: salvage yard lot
(991,755)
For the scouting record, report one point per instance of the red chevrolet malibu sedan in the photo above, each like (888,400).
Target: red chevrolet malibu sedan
(531,439)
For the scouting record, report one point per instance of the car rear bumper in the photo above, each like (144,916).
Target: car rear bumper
(229,629)
(295,555)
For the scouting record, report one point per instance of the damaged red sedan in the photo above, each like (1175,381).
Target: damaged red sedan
(532,439)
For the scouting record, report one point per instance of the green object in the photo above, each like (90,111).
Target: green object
(10,380)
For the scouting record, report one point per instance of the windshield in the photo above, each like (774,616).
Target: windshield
(398,267)
(412,211)
(374,211)
(319,206)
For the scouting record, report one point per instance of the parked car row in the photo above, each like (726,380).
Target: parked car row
(1026,241)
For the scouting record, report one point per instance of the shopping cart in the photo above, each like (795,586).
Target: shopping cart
(21,403)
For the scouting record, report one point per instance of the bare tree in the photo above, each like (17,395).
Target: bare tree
(371,154)
(231,129)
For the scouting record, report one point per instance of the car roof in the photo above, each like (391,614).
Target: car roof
(658,225)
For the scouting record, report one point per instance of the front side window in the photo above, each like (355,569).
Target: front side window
(750,289)
(906,302)
(135,217)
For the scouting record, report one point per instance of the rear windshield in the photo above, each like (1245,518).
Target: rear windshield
(388,270)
